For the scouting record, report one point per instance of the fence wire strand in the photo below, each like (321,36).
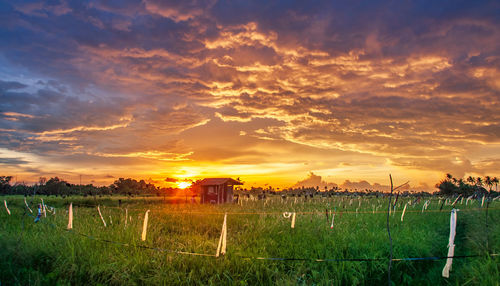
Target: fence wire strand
(139,246)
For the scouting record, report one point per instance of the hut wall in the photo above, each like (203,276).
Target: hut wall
(219,193)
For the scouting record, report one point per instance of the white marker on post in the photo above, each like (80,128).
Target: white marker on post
(70,216)
(451,243)
(224,237)
(221,247)
(403,214)
(43,208)
(103,221)
(424,207)
(5,203)
(126,217)
(145,226)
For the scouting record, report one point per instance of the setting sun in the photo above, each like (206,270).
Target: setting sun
(183,185)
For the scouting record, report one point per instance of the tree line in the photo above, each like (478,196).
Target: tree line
(131,187)
(467,186)
(59,187)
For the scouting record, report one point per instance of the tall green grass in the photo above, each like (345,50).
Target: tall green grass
(45,253)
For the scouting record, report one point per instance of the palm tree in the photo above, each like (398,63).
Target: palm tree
(449,177)
(488,182)
(479,182)
(471,180)
(495,181)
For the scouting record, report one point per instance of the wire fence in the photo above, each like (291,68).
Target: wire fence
(291,259)
(318,212)
(279,258)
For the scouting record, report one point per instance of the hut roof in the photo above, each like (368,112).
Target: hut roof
(218,181)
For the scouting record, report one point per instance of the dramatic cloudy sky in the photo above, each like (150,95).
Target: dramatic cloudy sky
(269,91)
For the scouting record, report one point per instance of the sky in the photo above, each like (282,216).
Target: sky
(281,93)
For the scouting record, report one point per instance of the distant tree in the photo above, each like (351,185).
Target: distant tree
(446,186)
(495,182)
(5,186)
(55,186)
(460,182)
(132,187)
(450,186)
(125,186)
(20,189)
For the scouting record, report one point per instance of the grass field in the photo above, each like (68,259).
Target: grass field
(45,253)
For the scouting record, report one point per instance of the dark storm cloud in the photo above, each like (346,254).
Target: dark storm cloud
(47,110)
(13,161)
(10,85)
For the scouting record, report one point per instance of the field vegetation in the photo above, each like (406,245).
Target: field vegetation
(46,253)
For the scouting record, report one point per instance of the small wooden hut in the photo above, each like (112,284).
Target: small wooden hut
(217,190)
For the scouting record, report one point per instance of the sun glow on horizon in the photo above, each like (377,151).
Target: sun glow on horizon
(184,185)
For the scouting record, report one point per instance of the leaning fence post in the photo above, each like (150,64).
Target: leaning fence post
(389,233)
(388,228)
(27,205)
